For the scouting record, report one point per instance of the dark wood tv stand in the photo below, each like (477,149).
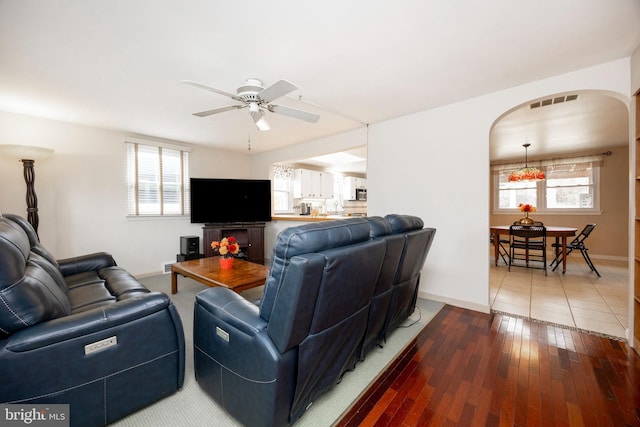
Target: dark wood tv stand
(250,236)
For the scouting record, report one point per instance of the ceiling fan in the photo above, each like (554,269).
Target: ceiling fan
(253,95)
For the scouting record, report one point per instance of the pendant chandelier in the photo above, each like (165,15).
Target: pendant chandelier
(526,173)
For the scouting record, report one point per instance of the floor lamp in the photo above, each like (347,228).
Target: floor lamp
(28,155)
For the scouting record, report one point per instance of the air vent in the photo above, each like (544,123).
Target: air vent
(553,101)
(166,267)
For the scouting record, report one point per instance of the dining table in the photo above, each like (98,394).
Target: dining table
(559,233)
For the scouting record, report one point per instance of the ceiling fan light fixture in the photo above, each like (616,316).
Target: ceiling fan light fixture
(526,173)
(254,108)
(262,125)
(257,115)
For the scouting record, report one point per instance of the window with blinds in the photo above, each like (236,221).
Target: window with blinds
(571,185)
(157,180)
(282,188)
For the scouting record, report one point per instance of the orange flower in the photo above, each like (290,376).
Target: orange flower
(526,207)
(227,247)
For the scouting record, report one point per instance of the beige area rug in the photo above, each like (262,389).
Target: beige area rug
(190,406)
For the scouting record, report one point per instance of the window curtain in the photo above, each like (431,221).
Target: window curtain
(552,165)
(283,172)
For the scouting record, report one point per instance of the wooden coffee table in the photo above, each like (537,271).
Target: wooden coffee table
(244,274)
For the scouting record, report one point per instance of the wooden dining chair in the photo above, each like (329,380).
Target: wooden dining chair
(528,243)
(576,244)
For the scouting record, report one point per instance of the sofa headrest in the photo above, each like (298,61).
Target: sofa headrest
(34,241)
(403,223)
(14,252)
(24,224)
(320,236)
(32,289)
(379,226)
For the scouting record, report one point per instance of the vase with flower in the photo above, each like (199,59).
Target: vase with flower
(527,209)
(228,249)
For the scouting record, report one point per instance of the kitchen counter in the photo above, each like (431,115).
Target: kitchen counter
(309,218)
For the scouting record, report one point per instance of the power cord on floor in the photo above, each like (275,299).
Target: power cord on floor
(408,325)
(415,321)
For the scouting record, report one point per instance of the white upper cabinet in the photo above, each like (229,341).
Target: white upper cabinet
(312,184)
(351,183)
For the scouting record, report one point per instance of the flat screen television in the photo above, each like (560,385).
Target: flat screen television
(230,200)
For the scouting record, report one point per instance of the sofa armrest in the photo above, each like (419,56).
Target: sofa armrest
(237,364)
(87,322)
(106,362)
(228,329)
(232,309)
(81,264)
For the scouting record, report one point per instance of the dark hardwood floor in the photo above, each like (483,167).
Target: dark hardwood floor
(473,369)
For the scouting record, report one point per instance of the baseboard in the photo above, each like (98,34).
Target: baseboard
(552,255)
(455,302)
(608,257)
(151,274)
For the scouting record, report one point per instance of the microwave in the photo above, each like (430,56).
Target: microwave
(361,194)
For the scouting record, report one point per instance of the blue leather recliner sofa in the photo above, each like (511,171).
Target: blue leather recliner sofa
(335,290)
(82,331)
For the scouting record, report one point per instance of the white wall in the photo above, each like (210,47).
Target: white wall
(434,164)
(82,195)
(635,72)
(633,172)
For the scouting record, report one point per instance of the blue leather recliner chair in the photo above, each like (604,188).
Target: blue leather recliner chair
(267,364)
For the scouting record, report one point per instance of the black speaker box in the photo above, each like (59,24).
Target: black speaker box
(181,258)
(189,245)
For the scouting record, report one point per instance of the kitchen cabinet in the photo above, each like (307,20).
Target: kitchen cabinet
(350,184)
(326,185)
(310,184)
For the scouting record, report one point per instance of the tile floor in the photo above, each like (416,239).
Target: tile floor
(577,298)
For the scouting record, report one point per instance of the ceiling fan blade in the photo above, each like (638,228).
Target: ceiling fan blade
(218,110)
(276,90)
(293,112)
(214,90)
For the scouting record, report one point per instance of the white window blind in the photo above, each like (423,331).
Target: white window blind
(282,188)
(571,184)
(157,180)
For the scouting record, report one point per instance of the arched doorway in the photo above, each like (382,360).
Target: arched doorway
(559,126)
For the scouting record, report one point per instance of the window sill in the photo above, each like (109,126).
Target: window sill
(156,217)
(541,212)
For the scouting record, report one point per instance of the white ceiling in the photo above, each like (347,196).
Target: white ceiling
(118,64)
(590,123)
(353,161)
